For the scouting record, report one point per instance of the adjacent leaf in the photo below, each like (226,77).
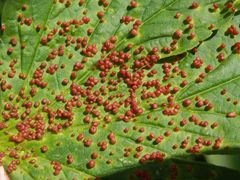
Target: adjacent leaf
(176,169)
(91,88)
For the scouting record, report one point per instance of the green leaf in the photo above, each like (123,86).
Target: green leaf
(175,168)
(79,81)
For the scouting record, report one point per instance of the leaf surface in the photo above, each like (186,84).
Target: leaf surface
(92,88)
